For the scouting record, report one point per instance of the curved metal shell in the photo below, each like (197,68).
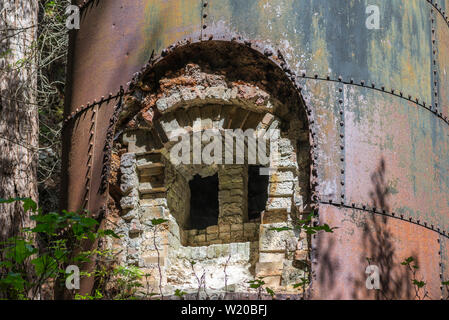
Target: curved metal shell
(379,102)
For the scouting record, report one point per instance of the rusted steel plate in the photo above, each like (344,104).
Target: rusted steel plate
(330,37)
(116,38)
(396,157)
(442,43)
(97,192)
(77,146)
(340,257)
(323,98)
(444,265)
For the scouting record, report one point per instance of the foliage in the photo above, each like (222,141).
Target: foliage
(307,226)
(63,234)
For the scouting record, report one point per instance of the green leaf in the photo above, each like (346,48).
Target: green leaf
(13,280)
(109,233)
(156,222)
(180,293)
(46,266)
(419,284)
(280,229)
(270,292)
(20,250)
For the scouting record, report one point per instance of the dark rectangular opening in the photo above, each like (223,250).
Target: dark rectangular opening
(257,192)
(203,202)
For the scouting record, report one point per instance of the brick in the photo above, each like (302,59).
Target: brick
(225,236)
(200,238)
(193,232)
(265,269)
(224,228)
(271,257)
(250,227)
(153,260)
(273,217)
(236,227)
(212,236)
(237,235)
(212,229)
(272,282)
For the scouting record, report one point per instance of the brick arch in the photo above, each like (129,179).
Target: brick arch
(195,98)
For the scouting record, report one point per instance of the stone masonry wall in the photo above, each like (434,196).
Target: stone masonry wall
(152,188)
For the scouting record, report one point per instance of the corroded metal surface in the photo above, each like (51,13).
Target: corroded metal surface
(442,62)
(340,258)
(396,157)
(378,105)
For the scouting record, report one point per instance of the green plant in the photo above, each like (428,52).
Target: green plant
(418,285)
(259,284)
(307,226)
(26,268)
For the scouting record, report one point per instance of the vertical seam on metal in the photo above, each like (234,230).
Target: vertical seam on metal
(440,253)
(204,6)
(91,154)
(341,111)
(435,73)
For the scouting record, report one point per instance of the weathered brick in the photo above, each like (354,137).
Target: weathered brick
(225,236)
(236,227)
(212,229)
(265,269)
(224,228)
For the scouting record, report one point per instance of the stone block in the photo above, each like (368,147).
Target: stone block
(212,236)
(269,217)
(272,282)
(281,188)
(291,274)
(131,201)
(200,238)
(282,176)
(276,241)
(150,213)
(265,269)
(279,204)
(231,219)
(212,229)
(223,228)
(236,227)
(225,236)
(237,235)
(271,257)
(301,255)
(153,260)
(250,227)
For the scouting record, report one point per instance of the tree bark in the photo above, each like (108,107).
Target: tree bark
(18,111)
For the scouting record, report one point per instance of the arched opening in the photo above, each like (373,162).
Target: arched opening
(214,139)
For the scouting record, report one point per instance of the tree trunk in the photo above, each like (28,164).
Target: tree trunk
(18,111)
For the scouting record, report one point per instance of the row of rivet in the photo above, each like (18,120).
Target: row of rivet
(90,158)
(440,10)
(89,105)
(204,15)
(373,86)
(441,267)
(435,75)
(341,104)
(383,212)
